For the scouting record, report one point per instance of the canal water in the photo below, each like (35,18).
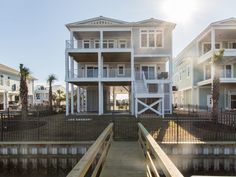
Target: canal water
(32,167)
(60,167)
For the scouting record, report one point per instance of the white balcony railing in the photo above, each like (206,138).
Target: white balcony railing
(95,44)
(107,73)
(151,76)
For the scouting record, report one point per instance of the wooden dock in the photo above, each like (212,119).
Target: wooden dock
(124,159)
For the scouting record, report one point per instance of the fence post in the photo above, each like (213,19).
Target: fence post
(188,109)
(2,127)
(38,124)
(8,113)
(177,128)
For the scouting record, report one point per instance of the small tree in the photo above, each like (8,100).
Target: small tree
(216,61)
(60,97)
(50,80)
(24,74)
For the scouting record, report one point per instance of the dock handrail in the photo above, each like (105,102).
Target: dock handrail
(153,153)
(96,153)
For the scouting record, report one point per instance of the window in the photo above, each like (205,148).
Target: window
(228,71)
(96,44)
(111,44)
(121,70)
(8,81)
(37,96)
(209,100)
(108,43)
(105,44)
(188,70)
(143,38)
(86,44)
(92,71)
(151,38)
(207,72)
(122,44)
(234,45)
(149,71)
(233,101)
(1,79)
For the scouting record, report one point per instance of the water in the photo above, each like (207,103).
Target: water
(37,167)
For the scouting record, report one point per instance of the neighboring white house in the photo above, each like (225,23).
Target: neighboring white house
(10,85)
(41,93)
(119,66)
(193,70)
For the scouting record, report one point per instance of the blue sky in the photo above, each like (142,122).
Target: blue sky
(33,32)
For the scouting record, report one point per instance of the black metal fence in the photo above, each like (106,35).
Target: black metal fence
(175,128)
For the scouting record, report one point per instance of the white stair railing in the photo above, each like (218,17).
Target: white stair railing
(145,81)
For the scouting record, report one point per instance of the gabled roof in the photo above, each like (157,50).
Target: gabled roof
(154,21)
(105,21)
(228,21)
(13,71)
(97,21)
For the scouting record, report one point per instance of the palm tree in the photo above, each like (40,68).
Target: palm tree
(24,74)
(50,80)
(216,61)
(60,96)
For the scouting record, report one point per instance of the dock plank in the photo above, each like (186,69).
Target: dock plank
(124,159)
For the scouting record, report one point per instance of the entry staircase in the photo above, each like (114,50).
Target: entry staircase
(142,95)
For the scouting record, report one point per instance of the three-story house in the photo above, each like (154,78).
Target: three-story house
(119,66)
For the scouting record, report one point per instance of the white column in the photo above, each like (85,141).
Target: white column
(132,66)
(100,98)
(163,108)
(78,99)
(114,98)
(101,39)
(171,83)
(72,98)
(136,107)
(4,101)
(67,98)
(99,64)
(66,66)
(72,67)
(132,98)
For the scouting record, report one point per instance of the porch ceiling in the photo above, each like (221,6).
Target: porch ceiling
(117,83)
(85,83)
(85,57)
(116,57)
(151,59)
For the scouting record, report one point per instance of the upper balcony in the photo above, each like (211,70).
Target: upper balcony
(95,41)
(215,40)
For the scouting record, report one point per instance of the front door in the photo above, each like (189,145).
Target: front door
(209,101)
(149,72)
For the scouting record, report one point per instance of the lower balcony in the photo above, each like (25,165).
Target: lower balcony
(107,74)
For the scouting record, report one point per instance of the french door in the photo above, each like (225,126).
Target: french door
(149,71)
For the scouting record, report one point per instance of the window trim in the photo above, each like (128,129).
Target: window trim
(125,42)
(121,65)
(232,71)
(147,32)
(86,42)
(149,65)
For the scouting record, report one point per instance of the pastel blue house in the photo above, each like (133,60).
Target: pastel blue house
(193,70)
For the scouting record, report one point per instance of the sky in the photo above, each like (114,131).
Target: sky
(33,32)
